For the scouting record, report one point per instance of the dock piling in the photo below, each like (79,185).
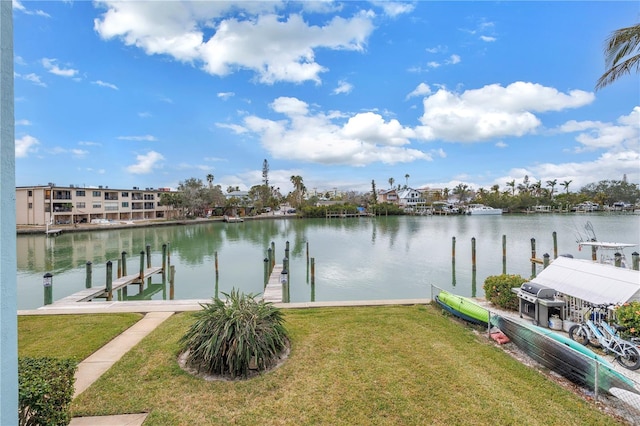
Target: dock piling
(635,261)
(504,254)
(89,273)
(47,283)
(109,281)
(124,263)
(533,256)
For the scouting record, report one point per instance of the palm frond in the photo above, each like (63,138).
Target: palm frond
(618,47)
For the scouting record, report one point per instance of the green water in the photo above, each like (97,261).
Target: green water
(355,259)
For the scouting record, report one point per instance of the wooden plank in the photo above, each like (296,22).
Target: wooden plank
(273,291)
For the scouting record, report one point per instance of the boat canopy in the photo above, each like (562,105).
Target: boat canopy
(590,281)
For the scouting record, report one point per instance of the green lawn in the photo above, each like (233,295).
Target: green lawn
(348,366)
(69,336)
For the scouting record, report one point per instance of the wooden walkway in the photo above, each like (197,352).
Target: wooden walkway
(88,294)
(273,290)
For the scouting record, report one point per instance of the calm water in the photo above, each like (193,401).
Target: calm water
(355,259)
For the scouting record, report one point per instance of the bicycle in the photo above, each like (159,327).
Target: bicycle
(625,352)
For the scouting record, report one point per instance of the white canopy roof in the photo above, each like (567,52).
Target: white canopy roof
(593,282)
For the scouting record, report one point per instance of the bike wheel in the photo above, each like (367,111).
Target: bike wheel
(630,357)
(579,334)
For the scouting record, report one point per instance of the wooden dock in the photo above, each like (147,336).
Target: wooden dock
(273,290)
(88,294)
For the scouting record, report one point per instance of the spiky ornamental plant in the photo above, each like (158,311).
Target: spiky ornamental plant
(230,336)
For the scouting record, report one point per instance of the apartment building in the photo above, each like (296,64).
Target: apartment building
(39,205)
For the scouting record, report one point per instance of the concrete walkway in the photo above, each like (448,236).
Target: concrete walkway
(100,361)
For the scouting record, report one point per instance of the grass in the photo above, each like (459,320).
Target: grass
(370,365)
(69,336)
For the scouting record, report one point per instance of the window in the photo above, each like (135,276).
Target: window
(97,205)
(125,194)
(148,196)
(80,205)
(30,205)
(97,193)
(30,193)
(110,206)
(80,193)
(125,203)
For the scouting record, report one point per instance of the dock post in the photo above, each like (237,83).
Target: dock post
(87,283)
(307,244)
(473,254)
(164,261)
(273,252)
(635,261)
(555,245)
(313,279)
(617,259)
(124,263)
(533,257)
(545,260)
(266,271)
(141,275)
(270,256)
(119,268)
(148,252)
(47,283)
(215,256)
(504,254)
(594,253)
(172,276)
(453,249)
(108,288)
(286,250)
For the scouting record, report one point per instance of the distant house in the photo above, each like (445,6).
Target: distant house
(388,196)
(411,200)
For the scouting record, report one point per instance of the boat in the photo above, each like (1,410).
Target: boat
(564,357)
(481,209)
(232,219)
(463,308)
(609,251)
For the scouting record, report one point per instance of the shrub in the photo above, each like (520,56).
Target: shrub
(497,289)
(229,338)
(45,389)
(628,315)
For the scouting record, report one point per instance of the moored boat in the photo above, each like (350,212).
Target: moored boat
(481,209)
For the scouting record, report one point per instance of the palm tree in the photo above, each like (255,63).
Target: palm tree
(461,191)
(210,179)
(391,181)
(619,54)
(299,188)
(512,184)
(552,184)
(566,185)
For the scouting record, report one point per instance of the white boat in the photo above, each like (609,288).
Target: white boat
(232,219)
(481,209)
(603,251)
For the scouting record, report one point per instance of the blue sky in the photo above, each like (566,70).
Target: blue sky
(151,93)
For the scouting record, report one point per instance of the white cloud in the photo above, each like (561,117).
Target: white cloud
(25,146)
(501,144)
(276,48)
(146,163)
(23,123)
(488,39)
(89,143)
(51,65)
(394,8)
(105,84)
(33,78)
(595,135)
(453,59)
(144,114)
(233,127)
(145,138)
(327,139)
(17,5)
(343,87)
(493,111)
(225,95)
(421,90)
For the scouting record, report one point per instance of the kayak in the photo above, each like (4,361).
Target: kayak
(562,355)
(463,307)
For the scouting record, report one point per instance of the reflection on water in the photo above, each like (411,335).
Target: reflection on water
(355,259)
